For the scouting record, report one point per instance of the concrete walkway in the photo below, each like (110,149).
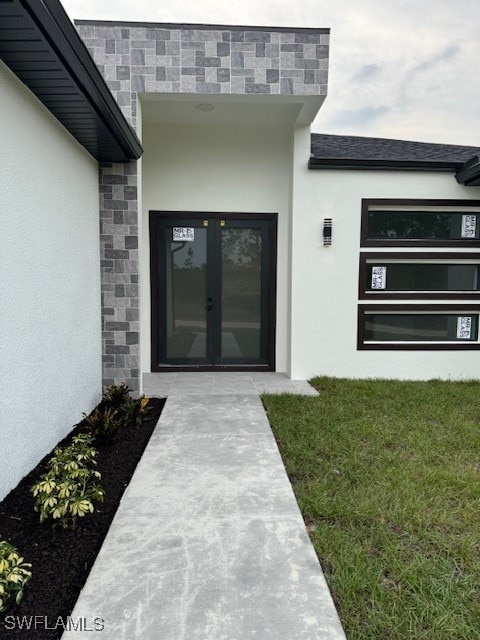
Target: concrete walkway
(208,542)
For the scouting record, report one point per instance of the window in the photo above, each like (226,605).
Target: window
(421,273)
(416,275)
(418,327)
(404,223)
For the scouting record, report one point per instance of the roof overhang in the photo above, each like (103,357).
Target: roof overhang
(469,173)
(383,165)
(241,110)
(42,47)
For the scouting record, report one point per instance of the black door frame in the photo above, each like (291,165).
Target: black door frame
(156,288)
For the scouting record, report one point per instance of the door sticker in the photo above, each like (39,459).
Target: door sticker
(464,327)
(183,234)
(379,277)
(469,226)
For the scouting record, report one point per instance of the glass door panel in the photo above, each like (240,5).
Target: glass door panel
(213,290)
(185,292)
(241,320)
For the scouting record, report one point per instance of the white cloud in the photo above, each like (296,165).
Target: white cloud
(403,69)
(423,55)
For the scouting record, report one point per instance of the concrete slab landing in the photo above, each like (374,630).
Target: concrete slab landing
(208,542)
(223,383)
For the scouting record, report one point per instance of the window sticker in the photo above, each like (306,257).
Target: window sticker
(464,327)
(183,234)
(469,226)
(379,277)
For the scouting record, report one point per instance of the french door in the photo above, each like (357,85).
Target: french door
(213,290)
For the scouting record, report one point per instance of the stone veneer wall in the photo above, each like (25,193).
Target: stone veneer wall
(119,274)
(200,59)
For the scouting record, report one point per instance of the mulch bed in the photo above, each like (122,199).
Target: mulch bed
(62,558)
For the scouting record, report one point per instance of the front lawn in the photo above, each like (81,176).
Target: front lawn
(387,476)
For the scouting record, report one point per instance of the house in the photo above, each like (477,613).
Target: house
(231,238)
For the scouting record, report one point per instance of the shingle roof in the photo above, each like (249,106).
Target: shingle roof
(326,146)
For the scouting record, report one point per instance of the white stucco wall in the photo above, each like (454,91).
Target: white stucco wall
(218,169)
(325,279)
(50,348)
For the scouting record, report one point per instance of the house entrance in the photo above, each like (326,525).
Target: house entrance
(213,290)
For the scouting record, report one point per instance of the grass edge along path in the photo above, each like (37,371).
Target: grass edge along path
(387,476)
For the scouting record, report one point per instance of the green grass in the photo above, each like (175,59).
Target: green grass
(387,476)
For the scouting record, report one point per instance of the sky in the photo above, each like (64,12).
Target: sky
(402,69)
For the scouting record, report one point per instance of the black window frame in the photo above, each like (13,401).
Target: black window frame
(412,257)
(457,309)
(365,241)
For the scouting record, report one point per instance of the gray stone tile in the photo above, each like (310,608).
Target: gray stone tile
(272,75)
(223,49)
(188,84)
(268,375)
(286,85)
(242,72)
(223,75)
(138,57)
(301,63)
(155,59)
(180,388)
(172,48)
(208,87)
(243,46)
(307,37)
(211,74)
(260,77)
(202,376)
(240,389)
(237,84)
(256,88)
(257,36)
(232,375)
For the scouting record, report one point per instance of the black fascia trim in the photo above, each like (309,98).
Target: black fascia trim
(200,27)
(56,27)
(383,165)
(469,172)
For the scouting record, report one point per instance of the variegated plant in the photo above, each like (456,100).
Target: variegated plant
(14,575)
(69,489)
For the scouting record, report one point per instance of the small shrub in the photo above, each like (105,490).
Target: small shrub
(115,395)
(135,411)
(103,422)
(14,575)
(68,489)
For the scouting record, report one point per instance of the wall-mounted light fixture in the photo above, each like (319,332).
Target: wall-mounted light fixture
(327,232)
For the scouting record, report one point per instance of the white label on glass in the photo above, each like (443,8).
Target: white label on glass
(183,234)
(469,226)
(379,277)
(464,328)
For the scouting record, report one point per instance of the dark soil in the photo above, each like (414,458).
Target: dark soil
(62,558)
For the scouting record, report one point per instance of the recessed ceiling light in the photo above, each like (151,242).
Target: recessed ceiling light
(205,106)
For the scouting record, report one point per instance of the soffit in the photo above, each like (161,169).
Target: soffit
(41,46)
(229,110)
